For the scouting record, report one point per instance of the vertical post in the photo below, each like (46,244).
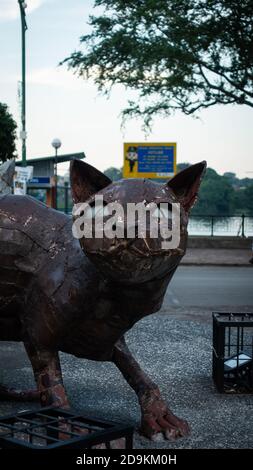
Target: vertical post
(237,349)
(129,440)
(251,371)
(66,197)
(220,357)
(243,225)
(22,6)
(219,351)
(56,143)
(55,175)
(212,225)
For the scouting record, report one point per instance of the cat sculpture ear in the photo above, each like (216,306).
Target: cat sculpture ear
(185,184)
(85,181)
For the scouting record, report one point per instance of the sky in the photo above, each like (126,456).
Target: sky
(61,105)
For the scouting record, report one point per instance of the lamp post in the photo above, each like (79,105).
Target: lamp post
(23,6)
(56,143)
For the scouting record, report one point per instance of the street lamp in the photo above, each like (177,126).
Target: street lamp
(56,143)
(23,6)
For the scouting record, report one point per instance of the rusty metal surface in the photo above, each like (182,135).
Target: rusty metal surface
(59,295)
(7,170)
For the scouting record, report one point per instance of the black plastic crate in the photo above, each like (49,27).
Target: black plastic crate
(233,352)
(55,428)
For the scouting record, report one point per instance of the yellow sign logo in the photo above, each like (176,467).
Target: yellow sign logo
(149,160)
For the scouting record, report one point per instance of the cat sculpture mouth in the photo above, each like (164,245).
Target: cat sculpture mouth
(134,260)
(132,248)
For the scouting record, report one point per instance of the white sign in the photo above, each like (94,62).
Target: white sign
(22,175)
(19,187)
(24,172)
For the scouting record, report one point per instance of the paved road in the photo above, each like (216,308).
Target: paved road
(210,286)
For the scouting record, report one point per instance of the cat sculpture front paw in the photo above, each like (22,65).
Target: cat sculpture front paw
(157,419)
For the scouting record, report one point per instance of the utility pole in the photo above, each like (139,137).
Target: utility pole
(23,6)
(56,143)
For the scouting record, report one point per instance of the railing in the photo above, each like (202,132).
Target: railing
(64,199)
(206,225)
(215,225)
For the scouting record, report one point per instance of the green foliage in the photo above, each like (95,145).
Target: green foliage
(113,173)
(224,195)
(248,199)
(178,54)
(7,134)
(182,166)
(216,196)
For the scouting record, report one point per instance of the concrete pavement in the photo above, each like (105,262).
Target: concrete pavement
(217,257)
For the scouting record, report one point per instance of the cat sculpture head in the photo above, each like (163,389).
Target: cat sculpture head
(119,224)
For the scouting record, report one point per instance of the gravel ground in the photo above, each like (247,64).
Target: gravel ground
(175,349)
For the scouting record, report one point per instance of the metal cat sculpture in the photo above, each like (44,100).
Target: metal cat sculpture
(57,294)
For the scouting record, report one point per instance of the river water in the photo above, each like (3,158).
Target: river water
(226,226)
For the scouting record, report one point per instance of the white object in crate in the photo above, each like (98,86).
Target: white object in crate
(237,361)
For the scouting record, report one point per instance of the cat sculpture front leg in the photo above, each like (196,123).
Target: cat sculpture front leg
(156,417)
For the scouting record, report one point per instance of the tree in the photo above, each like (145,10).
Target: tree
(113,173)
(245,182)
(231,177)
(182,166)
(248,194)
(7,134)
(177,54)
(216,196)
